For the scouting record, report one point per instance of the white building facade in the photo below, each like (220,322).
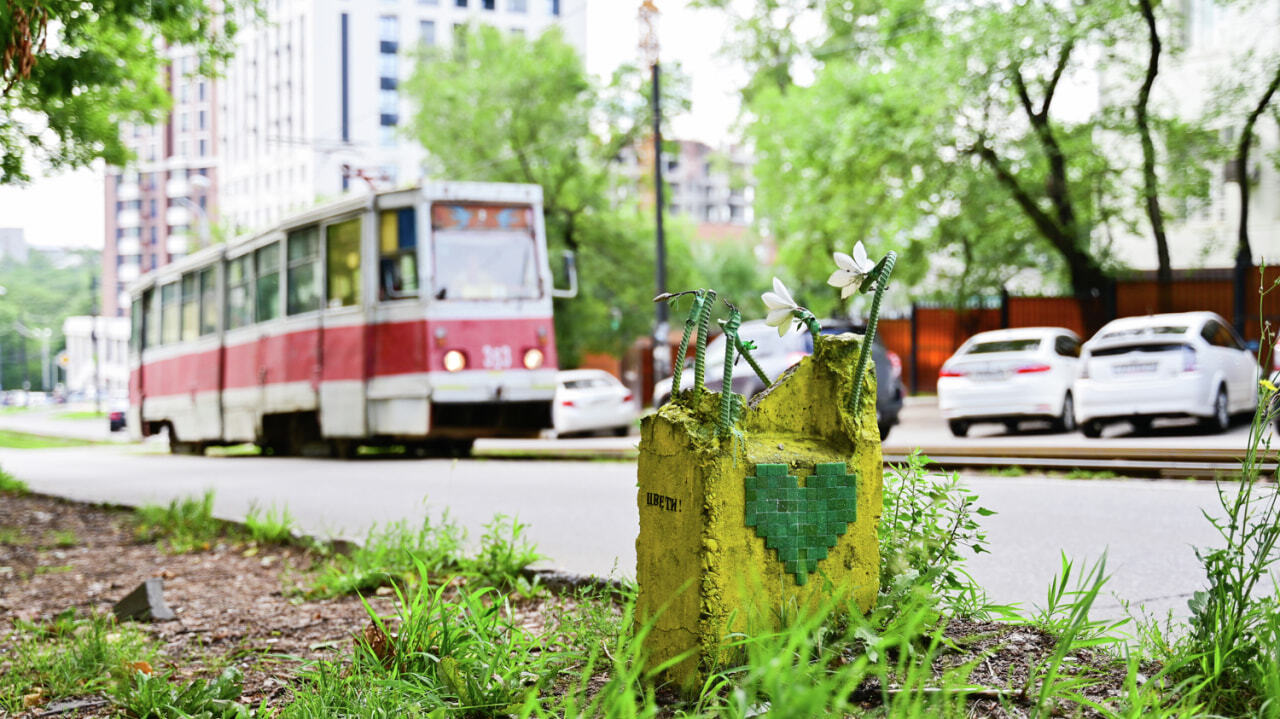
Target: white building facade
(110,372)
(312,105)
(1216,40)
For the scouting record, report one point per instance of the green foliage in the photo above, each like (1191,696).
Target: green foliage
(40,293)
(10,484)
(22,440)
(61,538)
(81,69)
(502,108)
(270,526)
(185,525)
(154,696)
(504,553)
(389,554)
(68,656)
(928,521)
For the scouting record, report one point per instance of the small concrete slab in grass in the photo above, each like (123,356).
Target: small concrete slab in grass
(145,603)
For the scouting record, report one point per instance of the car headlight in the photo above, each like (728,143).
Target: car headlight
(533,358)
(454,360)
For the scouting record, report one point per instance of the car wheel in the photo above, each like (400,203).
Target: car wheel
(1011,427)
(1092,429)
(622,431)
(1066,422)
(1220,420)
(1141,426)
(959,427)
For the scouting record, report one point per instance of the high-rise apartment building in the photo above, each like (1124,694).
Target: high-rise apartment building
(310,108)
(312,105)
(159,208)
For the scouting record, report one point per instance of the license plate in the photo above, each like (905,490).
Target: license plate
(988,376)
(1136,368)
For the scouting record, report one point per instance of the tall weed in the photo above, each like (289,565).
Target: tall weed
(388,554)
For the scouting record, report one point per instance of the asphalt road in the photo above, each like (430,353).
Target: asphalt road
(583,515)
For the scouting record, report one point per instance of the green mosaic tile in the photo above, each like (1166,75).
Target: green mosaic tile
(801,524)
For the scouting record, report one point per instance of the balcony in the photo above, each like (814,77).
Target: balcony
(177,187)
(128,246)
(128,272)
(178,244)
(127,192)
(128,218)
(177,215)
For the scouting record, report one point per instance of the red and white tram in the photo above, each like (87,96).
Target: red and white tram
(418,317)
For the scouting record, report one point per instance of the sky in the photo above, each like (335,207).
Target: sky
(66,208)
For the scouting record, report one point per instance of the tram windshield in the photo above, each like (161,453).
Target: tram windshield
(485,265)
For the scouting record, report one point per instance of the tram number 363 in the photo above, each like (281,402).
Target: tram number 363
(495,357)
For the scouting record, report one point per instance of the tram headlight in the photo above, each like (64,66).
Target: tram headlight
(533,358)
(454,360)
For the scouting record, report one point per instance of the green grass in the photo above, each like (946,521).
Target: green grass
(1010,471)
(157,695)
(247,449)
(61,538)
(395,552)
(12,536)
(184,525)
(81,414)
(270,526)
(10,484)
(1090,474)
(24,440)
(69,656)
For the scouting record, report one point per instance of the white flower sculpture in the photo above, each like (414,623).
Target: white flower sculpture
(852,270)
(781,307)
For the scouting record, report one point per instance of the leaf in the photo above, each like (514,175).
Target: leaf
(984,512)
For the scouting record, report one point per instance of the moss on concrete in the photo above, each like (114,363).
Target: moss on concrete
(704,573)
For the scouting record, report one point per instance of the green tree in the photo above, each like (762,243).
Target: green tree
(502,108)
(940,130)
(40,293)
(72,71)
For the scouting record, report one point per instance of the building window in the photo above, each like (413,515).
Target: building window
(427,32)
(342,245)
(302,286)
(429,2)
(520,6)
(204,148)
(387,135)
(387,65)
(460,3)
(490,4)
(553,7)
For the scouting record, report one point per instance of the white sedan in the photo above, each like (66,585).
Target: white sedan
(1190,364)
(589,400)
(1008,376)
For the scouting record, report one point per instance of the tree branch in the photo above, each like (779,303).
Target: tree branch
(1063,57)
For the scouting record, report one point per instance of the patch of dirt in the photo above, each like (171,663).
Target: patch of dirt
(230,601)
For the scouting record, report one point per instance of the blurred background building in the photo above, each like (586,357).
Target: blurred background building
(310,108)
(111,371)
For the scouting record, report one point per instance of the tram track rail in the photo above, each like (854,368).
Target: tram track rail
(1160,462)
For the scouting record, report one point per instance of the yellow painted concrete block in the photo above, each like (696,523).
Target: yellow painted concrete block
(702,571)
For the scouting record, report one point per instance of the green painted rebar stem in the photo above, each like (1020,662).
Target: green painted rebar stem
(689,324)
(700,354)
(726,389)
(805,316)
(746,355)
(882,282)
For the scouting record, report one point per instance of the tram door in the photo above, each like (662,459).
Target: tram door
(343,328)
(398,386)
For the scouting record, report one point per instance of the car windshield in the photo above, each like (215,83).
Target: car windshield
(1026,345)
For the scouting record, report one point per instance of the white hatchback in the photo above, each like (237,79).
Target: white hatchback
(1007,376)
(1189,364)
(589,400)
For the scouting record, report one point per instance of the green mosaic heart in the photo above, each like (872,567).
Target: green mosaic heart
(801,523)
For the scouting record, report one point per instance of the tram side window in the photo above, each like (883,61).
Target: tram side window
(240,292)
(397,255)
(267,260)
(342,245)
(151,308)
(208,302)
(135,324)
(170,314)
(302,286)
(190,307)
